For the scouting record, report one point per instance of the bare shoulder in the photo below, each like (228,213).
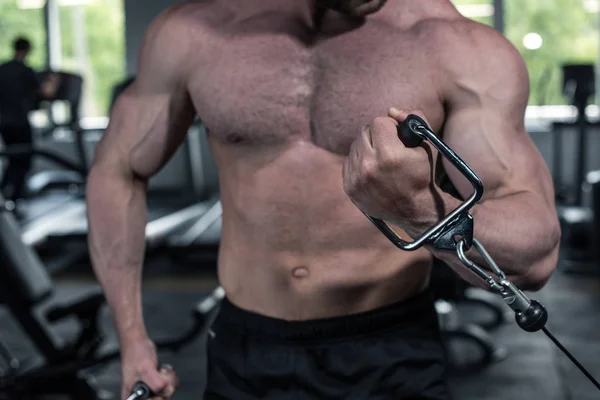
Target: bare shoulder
(198,14)
(175,35)
(180,24)
(469,53)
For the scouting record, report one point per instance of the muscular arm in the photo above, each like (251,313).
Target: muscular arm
(486,99)
(148,123)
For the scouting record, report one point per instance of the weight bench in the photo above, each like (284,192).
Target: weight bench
(25,285)
(26,288)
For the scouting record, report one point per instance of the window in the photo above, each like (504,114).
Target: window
(477,10)
(90,40)
(549,34)
(16,19)
(92,43)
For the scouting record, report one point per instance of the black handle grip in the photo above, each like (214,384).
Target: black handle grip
(412,132)
(406,131)
(142,391)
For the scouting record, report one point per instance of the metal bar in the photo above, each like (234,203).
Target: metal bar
(157,230)
(418,127)
(200,226)
(27,149)
(41,228)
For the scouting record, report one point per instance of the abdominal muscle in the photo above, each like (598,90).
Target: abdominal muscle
(294,246)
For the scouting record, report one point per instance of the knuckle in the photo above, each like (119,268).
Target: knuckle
(146,369)
(380,123)
(349,187)
(168,391)
(354,151)
(420,179)
(389,160)
(368,170)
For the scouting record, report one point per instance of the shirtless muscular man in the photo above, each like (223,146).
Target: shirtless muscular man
(300,99)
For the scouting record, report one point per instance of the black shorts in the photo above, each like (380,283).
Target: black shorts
(394,352)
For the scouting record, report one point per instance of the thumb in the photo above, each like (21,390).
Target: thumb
(156,381)
(397,114)
(401,115)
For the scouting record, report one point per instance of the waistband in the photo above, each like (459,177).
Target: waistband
(415,310)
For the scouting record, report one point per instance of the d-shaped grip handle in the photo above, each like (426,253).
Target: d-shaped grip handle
(412,132)
(406,131)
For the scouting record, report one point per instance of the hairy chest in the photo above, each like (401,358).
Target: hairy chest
(270,87)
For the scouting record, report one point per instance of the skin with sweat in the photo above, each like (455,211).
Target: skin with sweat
(284,89)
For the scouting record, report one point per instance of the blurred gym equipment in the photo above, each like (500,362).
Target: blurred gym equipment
(467,315)
(55,222)
(577,214)
(70,92)
(54,195)
(26,288)
(579,87)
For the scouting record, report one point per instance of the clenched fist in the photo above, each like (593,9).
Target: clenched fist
(140,363)
(387,180)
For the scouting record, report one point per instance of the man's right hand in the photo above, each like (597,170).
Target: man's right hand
(140,363)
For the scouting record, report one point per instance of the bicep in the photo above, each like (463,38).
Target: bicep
(489,135)
(145,131)
(151,117)
(485,123)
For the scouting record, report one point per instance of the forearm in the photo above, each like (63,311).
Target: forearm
(520,234)
(117,215)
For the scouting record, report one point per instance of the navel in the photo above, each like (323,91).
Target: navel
(300,272)
(234,138)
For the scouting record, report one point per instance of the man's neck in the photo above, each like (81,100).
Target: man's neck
(406,12)
(294,7)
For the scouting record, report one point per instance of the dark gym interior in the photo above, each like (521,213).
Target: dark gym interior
(55,328)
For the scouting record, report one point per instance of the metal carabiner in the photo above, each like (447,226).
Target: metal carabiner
(512,295)
(455,232)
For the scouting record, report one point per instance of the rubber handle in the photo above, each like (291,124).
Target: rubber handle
(406,131)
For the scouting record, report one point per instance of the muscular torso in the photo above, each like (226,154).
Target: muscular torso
(282,106)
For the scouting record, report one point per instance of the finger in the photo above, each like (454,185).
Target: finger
(400,115)
(355,150)
(384,134)
(348,170)
(362,147)
(157,382)
(172,383)
(170,373)
(365,137)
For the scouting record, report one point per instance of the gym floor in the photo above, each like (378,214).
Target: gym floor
(533,369)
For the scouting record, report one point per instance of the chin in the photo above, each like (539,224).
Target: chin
(353,8)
